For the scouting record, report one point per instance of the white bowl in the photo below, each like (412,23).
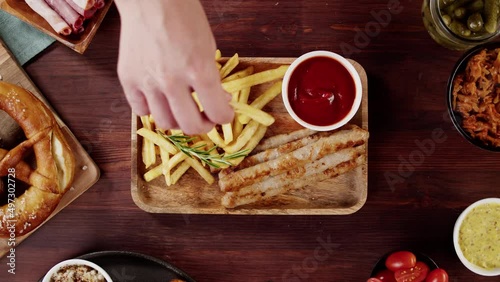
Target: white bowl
(58,266)
(347,65)
(472,267)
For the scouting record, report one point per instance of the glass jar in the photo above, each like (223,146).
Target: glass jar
(461,24)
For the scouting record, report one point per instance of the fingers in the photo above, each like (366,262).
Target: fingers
(214,99)
(172,106)
(137,101)
(186,111)
(160,108)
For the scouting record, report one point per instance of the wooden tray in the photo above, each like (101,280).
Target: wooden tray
(87,173)
(342,195)
(79,42)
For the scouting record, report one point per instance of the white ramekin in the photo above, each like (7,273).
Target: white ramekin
(347,65)
(456,231)
(58,266)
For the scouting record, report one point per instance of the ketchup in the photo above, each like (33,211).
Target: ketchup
(321,91)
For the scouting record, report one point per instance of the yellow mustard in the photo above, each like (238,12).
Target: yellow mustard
(479,237)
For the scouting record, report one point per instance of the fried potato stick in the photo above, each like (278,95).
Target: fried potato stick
(229,66)
(227,129)
(148,147)
(254,79)
(263,100)
(242,73)
(255,114)
(157,140)
(250,145)
(203,172)
(165,157)
(179,172)
(244,137)
(215,137)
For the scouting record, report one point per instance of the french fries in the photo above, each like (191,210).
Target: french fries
(148,147)
(171,154)
(215,137)
(201,170)
(244,137)
(262,100)
(246,72)
(165,158)
(157,140)
(181,169)
(229,66)
(254,113)
(254,79)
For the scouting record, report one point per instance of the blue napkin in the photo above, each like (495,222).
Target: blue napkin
(23,40)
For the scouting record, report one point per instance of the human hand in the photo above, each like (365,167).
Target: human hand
(167,50)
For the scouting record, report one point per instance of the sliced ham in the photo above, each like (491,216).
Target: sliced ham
(62,7)
(84,4)
(52,17)
(83,7)
(99,4)
(79,30)
(87,14)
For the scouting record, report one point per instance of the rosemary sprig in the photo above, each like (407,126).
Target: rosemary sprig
(215,160)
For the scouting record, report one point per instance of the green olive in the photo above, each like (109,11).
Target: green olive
(475,22)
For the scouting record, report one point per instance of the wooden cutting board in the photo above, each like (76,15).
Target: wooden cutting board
(345,194)
(87,173)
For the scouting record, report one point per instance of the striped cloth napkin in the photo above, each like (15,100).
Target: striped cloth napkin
(23,40)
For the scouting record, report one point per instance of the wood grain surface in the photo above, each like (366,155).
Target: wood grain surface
(340,195)
(407,74)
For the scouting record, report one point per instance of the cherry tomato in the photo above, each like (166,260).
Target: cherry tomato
(373,280)
(386,276)
(400,260)
(437,275)
(414,274)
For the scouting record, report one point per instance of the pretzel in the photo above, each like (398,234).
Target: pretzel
(54,162)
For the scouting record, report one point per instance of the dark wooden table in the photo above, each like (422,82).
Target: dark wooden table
(407,74)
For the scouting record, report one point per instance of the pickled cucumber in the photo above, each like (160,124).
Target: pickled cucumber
(459,28)
(445,3)
(473,19)
(475,22)
(446,20)
(457,4)
(460,13)
(476,6)
(491,8)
